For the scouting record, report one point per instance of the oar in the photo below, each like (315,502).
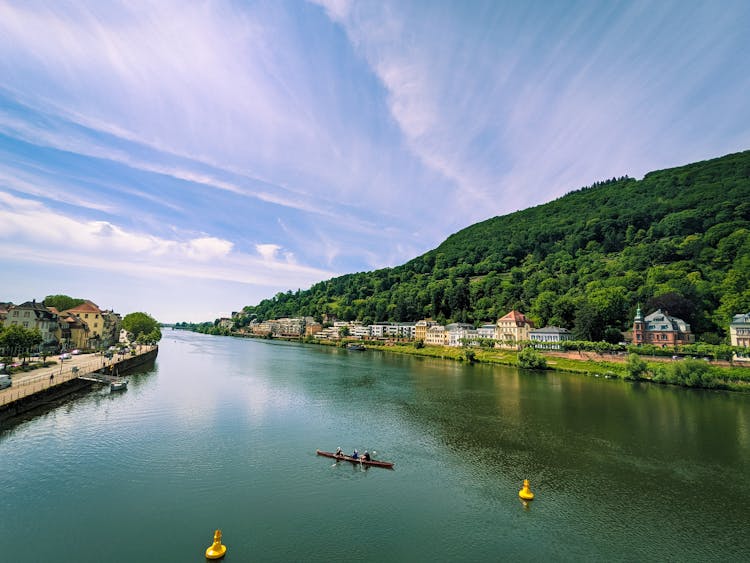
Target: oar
(335,463)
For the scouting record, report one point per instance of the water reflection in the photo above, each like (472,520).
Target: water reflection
(225,430)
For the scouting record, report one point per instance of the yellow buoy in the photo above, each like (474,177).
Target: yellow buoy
(525,493)
(216,550)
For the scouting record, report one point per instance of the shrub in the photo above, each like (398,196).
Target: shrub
(531,359)
(636,367)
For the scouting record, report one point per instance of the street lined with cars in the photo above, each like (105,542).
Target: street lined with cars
(30,382)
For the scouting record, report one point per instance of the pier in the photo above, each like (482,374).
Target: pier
(43,385)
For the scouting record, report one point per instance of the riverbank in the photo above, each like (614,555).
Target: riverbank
(45,385)
(665,370)
(693,373)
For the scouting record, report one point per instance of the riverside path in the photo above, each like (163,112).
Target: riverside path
(40,380)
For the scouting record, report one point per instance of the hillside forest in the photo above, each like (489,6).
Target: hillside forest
(678,240)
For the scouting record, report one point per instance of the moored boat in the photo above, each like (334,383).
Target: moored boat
(355,347)
(375,462)
(119,385)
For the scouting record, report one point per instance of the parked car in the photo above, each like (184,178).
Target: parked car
(5,381)
(75,352)
(65,356)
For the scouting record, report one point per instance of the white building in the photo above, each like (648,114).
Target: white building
(461,334)
(550,337)
(739,333)
(360,331)
(330,333)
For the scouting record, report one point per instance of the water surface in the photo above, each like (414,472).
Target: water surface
(222,433)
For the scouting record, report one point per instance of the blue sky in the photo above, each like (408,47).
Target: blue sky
(189,158)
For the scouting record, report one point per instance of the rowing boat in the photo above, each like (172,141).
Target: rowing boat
(376,463)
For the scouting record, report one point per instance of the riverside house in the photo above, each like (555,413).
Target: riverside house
(72,332)
(512,329)
(32,315)
(660,329)
(421,328)
(739,333)
(550,337)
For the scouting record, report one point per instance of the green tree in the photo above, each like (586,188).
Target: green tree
(529,358)
(636,368)
(612,335)
(138,324)
(18,341)
(62,302)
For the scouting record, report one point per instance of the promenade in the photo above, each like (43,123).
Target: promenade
(39,380)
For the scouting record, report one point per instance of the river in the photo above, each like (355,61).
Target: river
(222,433)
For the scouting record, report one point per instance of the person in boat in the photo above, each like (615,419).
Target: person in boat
(339,452)
(355,455)
(366,456)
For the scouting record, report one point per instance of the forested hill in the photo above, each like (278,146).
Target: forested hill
(679,239)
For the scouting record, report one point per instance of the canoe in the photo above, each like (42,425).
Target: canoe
(375,462)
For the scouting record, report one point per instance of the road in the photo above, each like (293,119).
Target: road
(30,382)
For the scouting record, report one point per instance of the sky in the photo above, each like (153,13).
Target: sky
(186,159)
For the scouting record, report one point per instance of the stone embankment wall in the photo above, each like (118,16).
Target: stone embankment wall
(130,363)
(50,391)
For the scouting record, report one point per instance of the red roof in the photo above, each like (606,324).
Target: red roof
(518,317)
(85,307)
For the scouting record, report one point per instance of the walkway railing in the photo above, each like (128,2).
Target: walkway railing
(57,375)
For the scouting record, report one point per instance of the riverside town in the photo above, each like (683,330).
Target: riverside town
(95,347)
(657,337)
(403,281)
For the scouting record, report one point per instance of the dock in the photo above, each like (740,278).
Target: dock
(43,385)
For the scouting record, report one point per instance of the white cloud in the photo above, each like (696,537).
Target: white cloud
(30,231)
(268,251)
(337,10)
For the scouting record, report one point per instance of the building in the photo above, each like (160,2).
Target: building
(739,331)
(32,315)
(226,323)
(312,328)
(90,313)
(289,327)
(486,331)
(420,329)
(550,337)
(660,329)
(72,332)
(436,336)
(512,329)
(260,328)
(360,331)
(461,334)
(112,326)
(400,330)
(328,333)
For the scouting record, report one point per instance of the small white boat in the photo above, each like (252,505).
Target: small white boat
(119,385)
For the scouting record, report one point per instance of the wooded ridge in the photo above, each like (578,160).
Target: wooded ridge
(679,240)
